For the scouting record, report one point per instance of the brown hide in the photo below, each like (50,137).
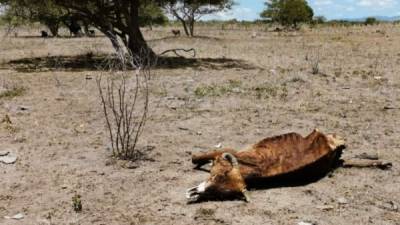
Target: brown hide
(282,155)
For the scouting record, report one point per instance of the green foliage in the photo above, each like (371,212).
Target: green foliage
(235,87)
(288,12)
(29,11)
(77,203)
(268,90)
(213,90)
(265,91)
(12,15)
(370,21)
(118,20)
(151,14)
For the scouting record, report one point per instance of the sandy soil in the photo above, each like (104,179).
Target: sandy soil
(239,91)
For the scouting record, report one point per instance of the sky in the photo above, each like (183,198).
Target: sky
(331,9)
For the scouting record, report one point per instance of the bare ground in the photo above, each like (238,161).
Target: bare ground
(239,91)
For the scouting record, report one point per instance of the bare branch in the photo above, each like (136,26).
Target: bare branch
(179,49)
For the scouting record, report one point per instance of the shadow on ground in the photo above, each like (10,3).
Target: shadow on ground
(283,181)
(58,37)
(90,62)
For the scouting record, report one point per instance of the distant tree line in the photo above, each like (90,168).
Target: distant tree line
(121,20)
(53,16)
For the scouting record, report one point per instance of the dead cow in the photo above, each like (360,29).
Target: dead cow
(176,32)
(279,155)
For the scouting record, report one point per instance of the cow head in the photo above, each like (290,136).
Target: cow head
(225,181)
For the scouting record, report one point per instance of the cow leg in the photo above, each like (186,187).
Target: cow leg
(204,158)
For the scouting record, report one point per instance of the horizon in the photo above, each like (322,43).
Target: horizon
(249,10)
(332,10)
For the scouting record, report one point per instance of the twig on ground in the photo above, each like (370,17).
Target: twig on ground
(179,49)
(367,164)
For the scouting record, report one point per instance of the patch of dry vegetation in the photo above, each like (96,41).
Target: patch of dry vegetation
(15,91)
(9,90)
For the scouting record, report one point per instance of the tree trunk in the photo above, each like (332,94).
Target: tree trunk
(117,20)
(53,29)
(136,43)
(138,46)
(114,41)
(185,27)
(86,28)
(191,26)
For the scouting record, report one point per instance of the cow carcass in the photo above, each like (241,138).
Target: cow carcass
(311,156)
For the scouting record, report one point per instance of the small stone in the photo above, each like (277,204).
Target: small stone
(391,206)
(306,223)
(325,207)
(4,153)
(8,159)
(110,162)
(236,90)
(394,206)
(18,216)
(342,201)
(131,165)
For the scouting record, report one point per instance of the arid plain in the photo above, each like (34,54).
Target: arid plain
(242,86)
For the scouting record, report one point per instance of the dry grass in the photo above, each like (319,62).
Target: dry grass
(12,92)
(238,91)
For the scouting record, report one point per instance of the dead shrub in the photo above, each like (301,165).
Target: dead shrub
(314,60)
(125,104)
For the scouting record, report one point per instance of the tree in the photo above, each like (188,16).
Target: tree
(50,15)
(20,12)
(319,19)
(119,20)
(8,16)
(289,13)
(370,21)
(116,19)
(151,14)
(272,11)
(188,11)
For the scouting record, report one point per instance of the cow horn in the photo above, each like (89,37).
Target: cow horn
(231,158)
(246,195)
